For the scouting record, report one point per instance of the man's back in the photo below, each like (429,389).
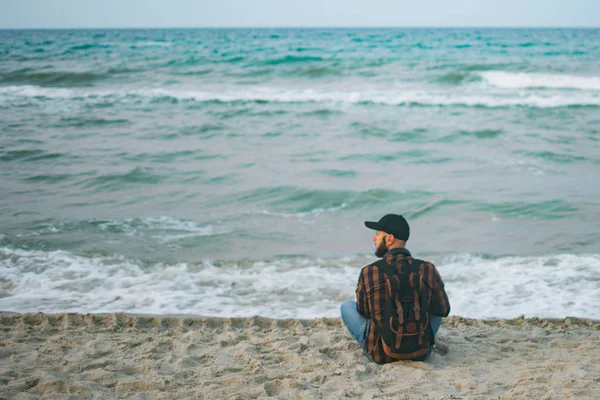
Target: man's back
(372,294)
(364,318)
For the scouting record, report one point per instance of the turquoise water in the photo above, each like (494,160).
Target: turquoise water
(148,162)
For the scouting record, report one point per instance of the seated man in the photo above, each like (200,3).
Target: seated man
(400,301)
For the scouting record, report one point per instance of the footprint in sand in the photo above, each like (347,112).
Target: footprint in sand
(440,348)
(100,349)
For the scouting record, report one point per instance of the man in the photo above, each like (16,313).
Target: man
(364,317)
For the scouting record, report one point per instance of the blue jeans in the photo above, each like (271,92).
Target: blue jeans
(359,325)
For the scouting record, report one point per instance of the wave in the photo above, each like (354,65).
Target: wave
(124,70)
(31,155)
(199,72)
(338,173)
(456,78)
(302,72)
(300,287)
(170,228)
(510,286)
(322,112)
(292,60)
(164,229)
(67,78)
(561,158)
(470,67)
(482,134)
(84,122)
(87,46)
(298,215)
(521,80)
(399,157)
(316,72)
(23,94)
(545,210)
(49,178)
(117,181)
(150,43)
(300,202)
(289,199)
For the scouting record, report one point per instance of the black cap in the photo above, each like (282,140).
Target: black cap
(393,224)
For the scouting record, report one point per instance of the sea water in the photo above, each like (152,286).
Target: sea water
(228,172)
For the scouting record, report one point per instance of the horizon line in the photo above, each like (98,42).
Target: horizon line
(305,27)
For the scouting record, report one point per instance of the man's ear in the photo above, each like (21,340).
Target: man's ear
(389,239)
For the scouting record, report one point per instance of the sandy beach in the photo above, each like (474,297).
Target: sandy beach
(74,356)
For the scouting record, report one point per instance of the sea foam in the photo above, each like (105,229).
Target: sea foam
(23,95)
(287,287)
(521,80)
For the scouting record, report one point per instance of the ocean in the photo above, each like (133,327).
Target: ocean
(228,172)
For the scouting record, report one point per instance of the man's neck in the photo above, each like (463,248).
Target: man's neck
(399,249)
(395,246)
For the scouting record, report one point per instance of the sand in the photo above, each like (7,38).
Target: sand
(74,356)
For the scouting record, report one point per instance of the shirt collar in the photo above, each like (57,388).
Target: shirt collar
(397,251)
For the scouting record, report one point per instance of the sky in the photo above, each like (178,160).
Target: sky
(295,13)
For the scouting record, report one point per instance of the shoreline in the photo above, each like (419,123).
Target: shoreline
(88,356)
(189,321)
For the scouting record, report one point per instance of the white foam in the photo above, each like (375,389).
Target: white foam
(517,164)
(58,281)
(385,97)
(37,91)
(163,228)
(152,44)
(522,80)
(552,286)
(295,287)
(300,215)
(393,97)
(164,224)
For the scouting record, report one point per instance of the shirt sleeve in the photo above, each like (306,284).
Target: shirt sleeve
(440,305)
(371,293)
(361,297)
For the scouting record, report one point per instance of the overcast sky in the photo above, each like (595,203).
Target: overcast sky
(293,13)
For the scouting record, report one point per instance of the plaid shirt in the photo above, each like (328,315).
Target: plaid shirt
(372,294)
